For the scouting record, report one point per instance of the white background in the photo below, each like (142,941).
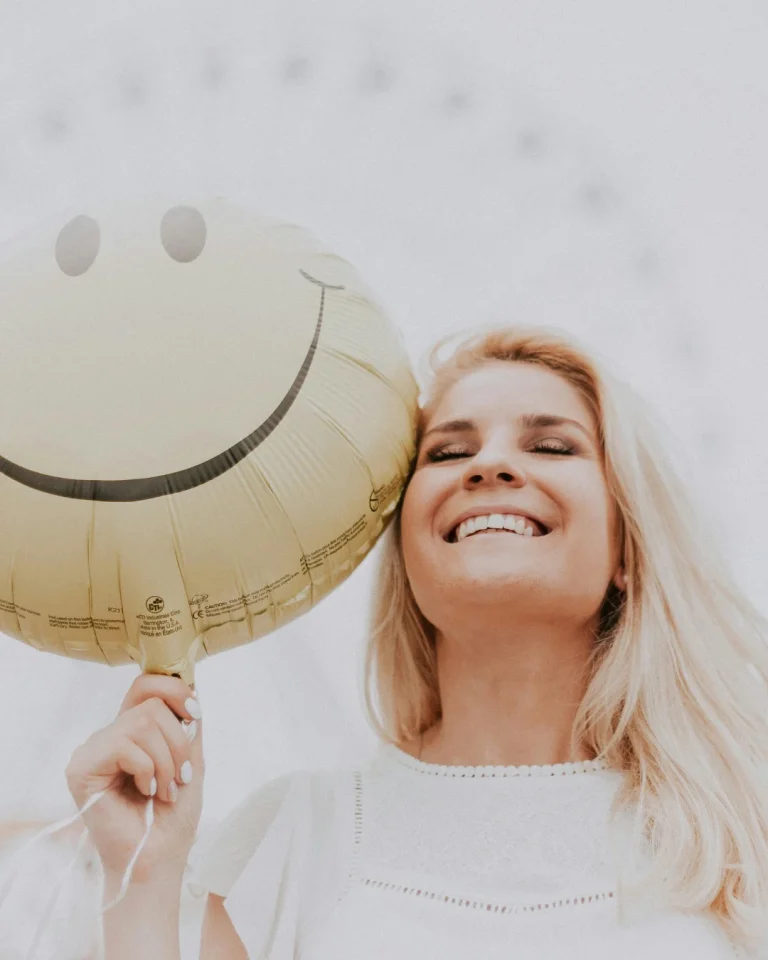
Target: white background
(597,166)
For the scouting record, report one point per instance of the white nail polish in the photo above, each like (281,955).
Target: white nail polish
(190,730)
(173,791)
(193,709)
(186,772)
(152,787)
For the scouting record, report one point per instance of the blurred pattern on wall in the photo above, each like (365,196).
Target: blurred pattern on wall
(599,170)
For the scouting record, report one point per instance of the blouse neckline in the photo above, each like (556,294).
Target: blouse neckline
(523,770)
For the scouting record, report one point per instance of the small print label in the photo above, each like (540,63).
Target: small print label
(316,559)
(7,606)
(61,622)
(239,603)
(159,624)
(382,493)
(84,623)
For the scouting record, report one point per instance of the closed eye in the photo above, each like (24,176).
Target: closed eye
(442,454)
(545,446)
(556,447)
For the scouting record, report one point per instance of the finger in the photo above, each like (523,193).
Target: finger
(149,738)
(134,760)
(179,696)
(95,764)
(176,736)
(194,733)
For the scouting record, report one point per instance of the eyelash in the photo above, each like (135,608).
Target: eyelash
(440,454)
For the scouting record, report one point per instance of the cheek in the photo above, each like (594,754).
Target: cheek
(597,529)
(590,508)
(409,529)
(416,520)
(418,505)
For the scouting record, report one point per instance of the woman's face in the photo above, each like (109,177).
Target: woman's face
(510,439)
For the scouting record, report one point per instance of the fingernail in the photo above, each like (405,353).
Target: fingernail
(173,791)
(195,694)
(193,709)
(191,730)
(186,772)
(152,787)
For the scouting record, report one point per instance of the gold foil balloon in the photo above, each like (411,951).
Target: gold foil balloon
(205,424)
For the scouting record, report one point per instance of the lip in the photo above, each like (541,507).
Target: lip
(480,511)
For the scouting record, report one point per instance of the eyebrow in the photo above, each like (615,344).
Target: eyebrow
(528,421)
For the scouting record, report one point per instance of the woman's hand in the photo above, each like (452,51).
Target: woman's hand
(144,746)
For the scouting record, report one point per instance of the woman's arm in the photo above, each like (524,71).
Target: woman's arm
(145,924)
(219,941)
(146,921)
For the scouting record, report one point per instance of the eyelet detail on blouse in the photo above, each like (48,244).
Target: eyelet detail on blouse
(546,770)
(486,906)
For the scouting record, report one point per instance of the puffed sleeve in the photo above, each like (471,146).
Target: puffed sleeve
(256,858)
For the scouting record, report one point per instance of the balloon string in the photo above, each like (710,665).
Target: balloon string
(53,898)
(54,828)
(46,831)
(149,818)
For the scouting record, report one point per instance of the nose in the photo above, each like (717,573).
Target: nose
(494,469)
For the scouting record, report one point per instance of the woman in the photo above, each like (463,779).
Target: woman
(571,698)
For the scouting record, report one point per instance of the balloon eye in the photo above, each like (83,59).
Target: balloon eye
(183,233)
(78,246)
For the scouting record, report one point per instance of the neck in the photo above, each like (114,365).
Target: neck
(508,697)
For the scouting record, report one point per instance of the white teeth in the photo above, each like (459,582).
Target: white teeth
(494,521)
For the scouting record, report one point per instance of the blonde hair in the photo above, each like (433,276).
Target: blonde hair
(678,684)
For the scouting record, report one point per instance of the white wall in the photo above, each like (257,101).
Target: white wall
(598,166)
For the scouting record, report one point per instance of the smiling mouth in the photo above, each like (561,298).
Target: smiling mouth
(492,530)
(539,531)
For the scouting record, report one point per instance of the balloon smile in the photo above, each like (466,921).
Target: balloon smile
(148,488)
(202,350)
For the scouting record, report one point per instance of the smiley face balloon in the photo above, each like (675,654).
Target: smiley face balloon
(206,422)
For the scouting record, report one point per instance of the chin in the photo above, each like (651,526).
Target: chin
(482,586)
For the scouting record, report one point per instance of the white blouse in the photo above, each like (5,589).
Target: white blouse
(412,860)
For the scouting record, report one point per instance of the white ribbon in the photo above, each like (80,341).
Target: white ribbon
(54,828)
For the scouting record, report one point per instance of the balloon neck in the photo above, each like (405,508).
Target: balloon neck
(183,665)
(187,674)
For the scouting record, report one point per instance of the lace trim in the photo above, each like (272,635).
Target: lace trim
(544,770)
(485,905)
(357,836)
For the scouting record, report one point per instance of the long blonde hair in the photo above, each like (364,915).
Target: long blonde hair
(678,689)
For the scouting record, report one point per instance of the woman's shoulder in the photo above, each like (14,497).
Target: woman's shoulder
(275,820)
(315,785)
